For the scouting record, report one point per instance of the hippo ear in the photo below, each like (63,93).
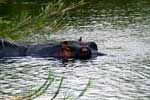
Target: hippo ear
(80,39)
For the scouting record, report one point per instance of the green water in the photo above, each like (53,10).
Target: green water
(121,29)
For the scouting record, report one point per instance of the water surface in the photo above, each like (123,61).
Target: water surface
(121,30)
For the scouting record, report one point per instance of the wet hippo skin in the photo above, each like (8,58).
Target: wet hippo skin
(60,50)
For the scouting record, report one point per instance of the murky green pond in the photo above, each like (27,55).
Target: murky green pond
(121,30)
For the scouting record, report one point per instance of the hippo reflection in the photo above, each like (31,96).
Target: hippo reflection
(60,50)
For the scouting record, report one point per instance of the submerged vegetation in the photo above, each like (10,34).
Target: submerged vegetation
(38,92)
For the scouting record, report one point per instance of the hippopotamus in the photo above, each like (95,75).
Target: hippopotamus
(60,50)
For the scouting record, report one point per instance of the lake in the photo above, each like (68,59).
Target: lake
(121,29)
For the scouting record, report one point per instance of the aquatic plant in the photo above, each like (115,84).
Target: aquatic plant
(2,2)
(53,16)
(36,92)
(41,90)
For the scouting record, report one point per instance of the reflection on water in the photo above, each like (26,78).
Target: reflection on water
(121,31)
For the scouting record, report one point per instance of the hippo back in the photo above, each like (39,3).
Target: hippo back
(11,49)
(43,50)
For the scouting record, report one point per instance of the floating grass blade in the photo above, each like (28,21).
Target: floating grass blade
(37,92)
(85,89)
(58,89)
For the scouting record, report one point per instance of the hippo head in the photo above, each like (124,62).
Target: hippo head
(93,47)
(82,50)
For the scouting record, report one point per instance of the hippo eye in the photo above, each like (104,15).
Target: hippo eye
(85,53)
